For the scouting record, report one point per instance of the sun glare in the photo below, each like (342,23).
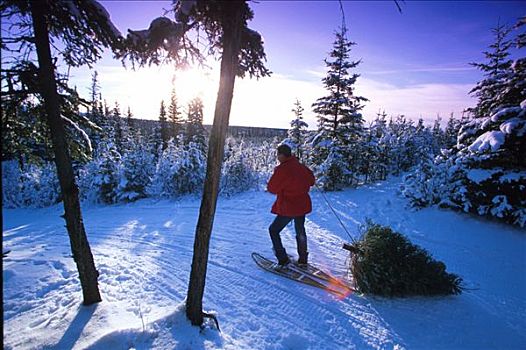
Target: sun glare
(192,82)
(146,88)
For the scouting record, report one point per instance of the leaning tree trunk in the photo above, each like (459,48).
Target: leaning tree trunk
(48,88)
(232,25)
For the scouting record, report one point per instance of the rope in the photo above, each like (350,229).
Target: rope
(344,24)
(335,214)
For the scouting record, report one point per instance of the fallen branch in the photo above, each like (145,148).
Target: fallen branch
(214,318)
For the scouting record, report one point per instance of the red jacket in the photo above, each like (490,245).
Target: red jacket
(291,181)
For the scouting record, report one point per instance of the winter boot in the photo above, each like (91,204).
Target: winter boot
(284,262)
(302,261)
(283,258)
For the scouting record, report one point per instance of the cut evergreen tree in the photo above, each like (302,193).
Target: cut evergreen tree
(386,263)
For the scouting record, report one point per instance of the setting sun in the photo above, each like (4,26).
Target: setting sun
(146,87)
(193,82)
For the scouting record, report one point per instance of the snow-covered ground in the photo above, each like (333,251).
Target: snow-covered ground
(143,252)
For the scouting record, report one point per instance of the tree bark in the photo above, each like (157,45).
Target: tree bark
(79,243)
(232,24)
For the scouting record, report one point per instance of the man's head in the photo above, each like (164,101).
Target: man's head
(284,153)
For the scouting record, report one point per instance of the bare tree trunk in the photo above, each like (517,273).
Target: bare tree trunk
(232,26)
(77,235)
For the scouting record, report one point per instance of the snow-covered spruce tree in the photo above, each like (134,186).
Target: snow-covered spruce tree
(99,178)
(11,174)
(379,144)
(154,141)
(194,129)
(117,125)
(437,136)
(29,185)
(496,69)
(193,168)
(105,176)
(174,116)
(423,144)
(163,184)
(237,173)
(136,171)
(515,87)
(262,159)
(485,172)
(94,93)
(336,152)
(163,125)
(492,146)
(495,165)
(129,118)
(194,149)
(421,150)
(451,132)
(402,144)
(105,111)
(395,147)
(95,113)
(368,154)
(128,139)
(130,124)
(297,132)
(132,135)
(432,182)
(412,143)
(25,136)
(370,167)
(179,171)
(334,168)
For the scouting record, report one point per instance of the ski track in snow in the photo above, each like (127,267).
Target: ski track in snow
(143,252)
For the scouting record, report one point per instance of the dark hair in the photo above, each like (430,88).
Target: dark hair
(285,150)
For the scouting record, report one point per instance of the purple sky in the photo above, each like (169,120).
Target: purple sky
(439,36)
(414,63)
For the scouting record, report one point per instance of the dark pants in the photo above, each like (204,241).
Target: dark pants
(301,237)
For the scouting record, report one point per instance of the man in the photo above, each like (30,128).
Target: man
(291,182)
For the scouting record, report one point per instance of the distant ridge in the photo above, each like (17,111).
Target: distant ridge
(249,132)
(252,131)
